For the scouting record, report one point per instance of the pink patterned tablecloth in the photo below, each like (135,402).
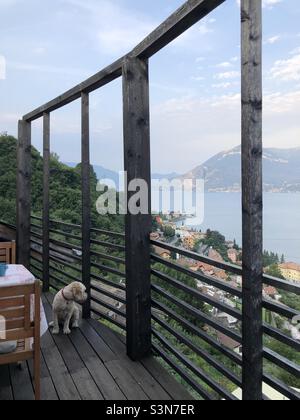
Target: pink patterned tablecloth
(16,275)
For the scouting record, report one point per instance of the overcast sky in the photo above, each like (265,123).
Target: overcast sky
(51,45)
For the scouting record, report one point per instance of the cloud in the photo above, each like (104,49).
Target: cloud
(273,39)
(225,85)
(69,71)
(287,70)
(227,75)
(113,30)
(197,126)
(267,4)
(224,65)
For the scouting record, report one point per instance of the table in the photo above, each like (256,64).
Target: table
(16,275)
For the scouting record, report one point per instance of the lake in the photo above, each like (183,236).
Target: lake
(223,212)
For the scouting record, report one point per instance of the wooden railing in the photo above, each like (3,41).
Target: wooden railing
(185,334)
(179,322)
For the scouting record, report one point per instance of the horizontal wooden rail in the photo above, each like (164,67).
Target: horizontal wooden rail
(198,314)
(64,263)
(282,337)
(204,377)
(197,350)
(282,362)
(197,257)
(108,269)
(109,319)
(281,387)
(107,282)
(182,373)
(188,326)
(202,297)
(108,306)
(112,296)
(211,281)
(108,257)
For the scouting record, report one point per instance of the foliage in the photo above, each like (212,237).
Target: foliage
(274,271)
(270,258)
(65,189)
(217,241)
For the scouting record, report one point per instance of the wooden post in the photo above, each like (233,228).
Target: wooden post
(23,193)
(138,227)
(46,202)
(86,202)
(251,14)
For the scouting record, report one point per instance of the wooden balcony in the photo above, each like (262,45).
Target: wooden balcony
(90,364)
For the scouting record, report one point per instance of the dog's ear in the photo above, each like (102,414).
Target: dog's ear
(77,290)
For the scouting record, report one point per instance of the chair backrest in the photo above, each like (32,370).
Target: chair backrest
(15,312)
(8,252)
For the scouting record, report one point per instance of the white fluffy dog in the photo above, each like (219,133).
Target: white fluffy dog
(65,307)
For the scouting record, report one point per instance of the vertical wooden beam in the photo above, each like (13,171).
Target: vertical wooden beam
(252,186)
(46,201)
(86,201)
(138,227)
(23,193)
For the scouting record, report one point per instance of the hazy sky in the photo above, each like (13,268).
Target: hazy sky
(51,45)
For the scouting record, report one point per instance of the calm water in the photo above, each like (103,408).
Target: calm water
(281,220)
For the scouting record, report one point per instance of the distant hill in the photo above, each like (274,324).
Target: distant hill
(223,171)
(104,173)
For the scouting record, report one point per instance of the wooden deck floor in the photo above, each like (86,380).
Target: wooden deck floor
(90,364)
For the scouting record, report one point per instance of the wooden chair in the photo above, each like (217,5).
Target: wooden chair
(8,252)
(15,308)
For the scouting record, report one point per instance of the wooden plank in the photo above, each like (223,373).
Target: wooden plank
(252,188)
(104,381)
(150,386)
(23,193)
(100,347)
(21,382)
(176,391)
(182,19)
(86,202)
(62,379)
(100,79)
(102,377)
(137,226)
(48,392)
(77,369)
(131,389)
(46,202)
(6,393)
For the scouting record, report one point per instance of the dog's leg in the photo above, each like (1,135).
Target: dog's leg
(55,324)
(76,316)
(67,330)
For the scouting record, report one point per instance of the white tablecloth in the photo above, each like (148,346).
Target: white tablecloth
(16,275)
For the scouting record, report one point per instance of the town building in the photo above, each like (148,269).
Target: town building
(233,255)
(290,271)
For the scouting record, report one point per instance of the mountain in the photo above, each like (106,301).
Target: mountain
(104,173)
(223,171)
(100,171)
